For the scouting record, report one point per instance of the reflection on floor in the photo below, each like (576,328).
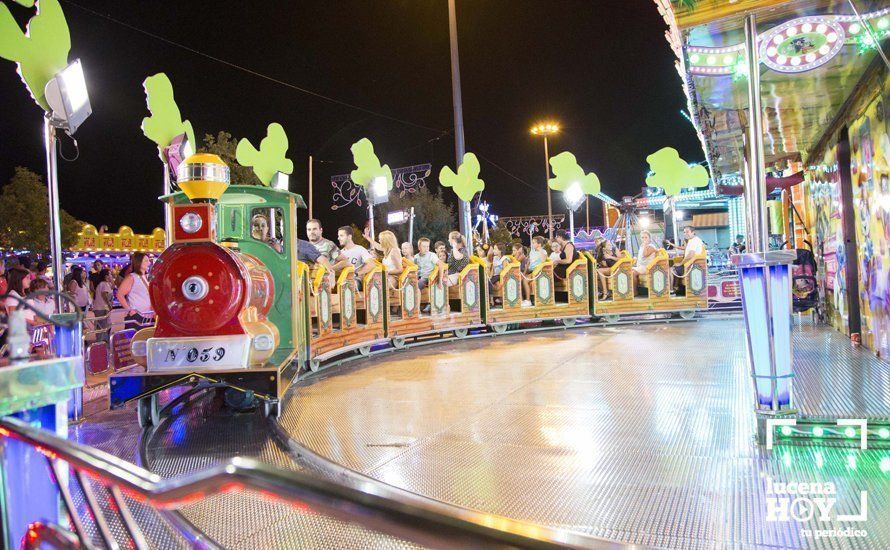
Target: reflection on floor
(642,434)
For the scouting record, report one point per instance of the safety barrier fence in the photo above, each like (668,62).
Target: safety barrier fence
(376,507)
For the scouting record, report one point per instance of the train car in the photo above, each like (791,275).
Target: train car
(656,282)
(227,295)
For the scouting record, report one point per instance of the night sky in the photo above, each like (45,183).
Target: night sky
(602,68)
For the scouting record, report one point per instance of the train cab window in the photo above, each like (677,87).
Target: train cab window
(267,225)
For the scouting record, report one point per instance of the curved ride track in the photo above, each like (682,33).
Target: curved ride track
(642,434)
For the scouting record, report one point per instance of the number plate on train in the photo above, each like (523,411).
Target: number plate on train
(220,352)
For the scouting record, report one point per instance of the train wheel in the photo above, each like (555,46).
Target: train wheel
(499,329)
(314,365)
(398,343)
(238,400)
(364,351)
(461,332)
(687,314)
(611,319)
(271,409)
(569,321)
(148,411)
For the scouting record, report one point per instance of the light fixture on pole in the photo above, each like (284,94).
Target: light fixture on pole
(545,130)
(378,193)
(69,103)
(574,197)
(180,148)
(281,181)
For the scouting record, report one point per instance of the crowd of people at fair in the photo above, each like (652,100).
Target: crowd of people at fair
(98,290)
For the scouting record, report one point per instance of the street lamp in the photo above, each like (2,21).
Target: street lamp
(546,129)
(378,194)
(574,197)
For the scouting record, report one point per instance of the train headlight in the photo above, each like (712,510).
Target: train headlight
(195,288)
(191,223)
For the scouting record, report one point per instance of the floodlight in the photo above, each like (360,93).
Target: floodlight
(280,181)
(397,217)
(180,148)
(678,215)
(574,196)
(379,192)
(644,222)
(68,99)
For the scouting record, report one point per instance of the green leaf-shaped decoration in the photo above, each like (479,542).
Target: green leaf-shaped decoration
(567,173)
(671,173)
(465,183)
(165,122)
(42,51)
(367,165)
(270,158)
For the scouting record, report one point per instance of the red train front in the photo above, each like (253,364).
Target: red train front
(210,300)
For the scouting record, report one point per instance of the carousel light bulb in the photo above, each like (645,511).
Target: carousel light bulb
(694,58)
(832,37)
(822,27)
(772,51)
(728,59)
(884,433)
(810,57)
(712,59)
(883,23)
(778,39)
(781,60)
(791,32)
(824,50)
(850,432)
(795,61)
(786,430)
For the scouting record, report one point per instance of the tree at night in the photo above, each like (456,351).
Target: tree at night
(433,217)
(24,209)
(224,146)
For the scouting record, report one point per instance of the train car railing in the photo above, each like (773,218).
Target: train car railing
(542,288)
(405,297)
(346,298)
(377,507)
(576,285)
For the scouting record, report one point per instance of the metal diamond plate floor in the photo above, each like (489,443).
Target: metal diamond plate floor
(638,433)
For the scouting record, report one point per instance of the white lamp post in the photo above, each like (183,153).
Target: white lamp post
(66,94)
(574,197)
(377,194)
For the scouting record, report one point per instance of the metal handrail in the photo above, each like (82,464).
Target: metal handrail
(374,505)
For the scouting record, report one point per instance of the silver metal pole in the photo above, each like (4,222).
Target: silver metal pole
(755,186)
(571,225)
(55,229)
(464,215)
(547,186)
(411,227)
(168,188)
(371,218)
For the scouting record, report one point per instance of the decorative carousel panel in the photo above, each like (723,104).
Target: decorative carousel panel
(622,284)
(347,305)
(578,286)
(439,298)
(544,289)
(658,285)
(512,296)
(471,291)
(374,300)
(409,298)
(324,307)
(696,279)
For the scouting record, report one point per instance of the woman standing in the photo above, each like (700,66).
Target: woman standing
(133,294)
(19,279)
(77,287)
(102,302)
